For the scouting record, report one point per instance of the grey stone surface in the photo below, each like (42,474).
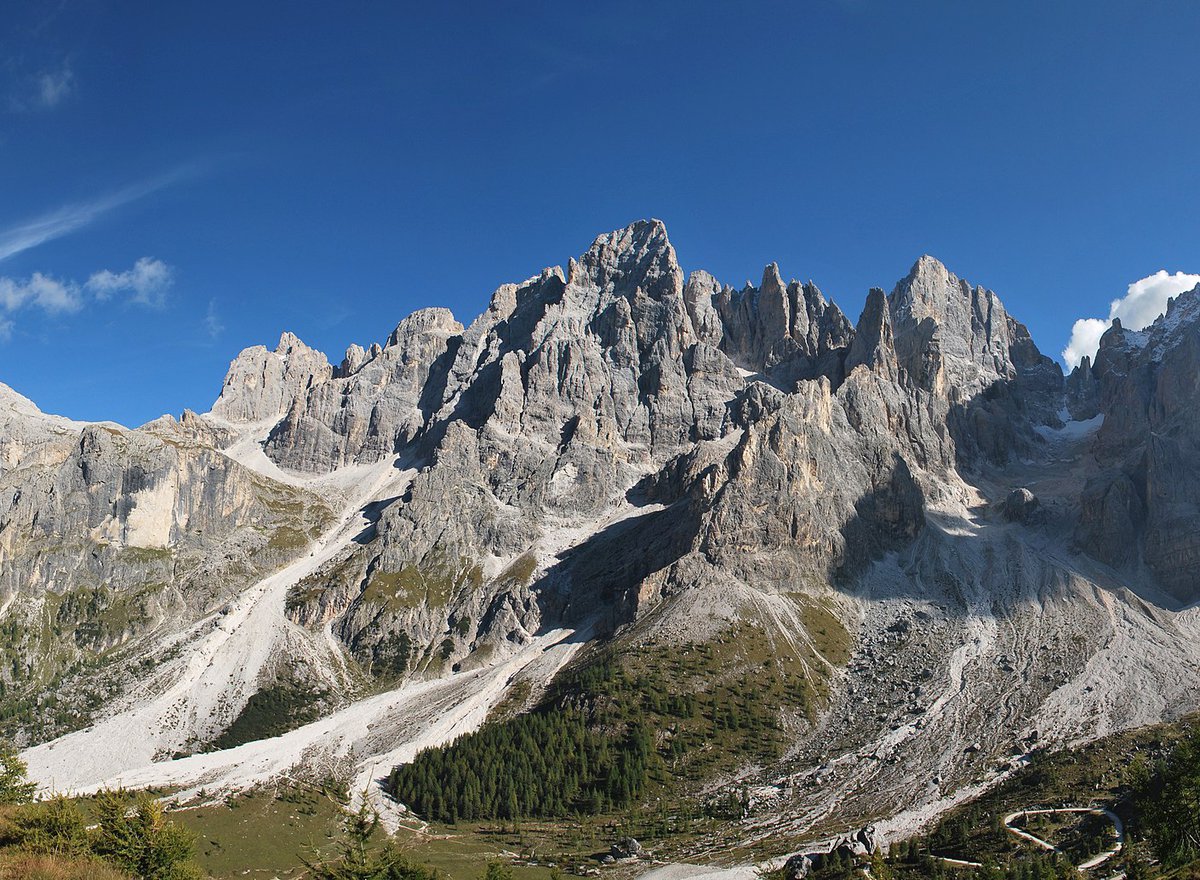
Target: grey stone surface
(371,406)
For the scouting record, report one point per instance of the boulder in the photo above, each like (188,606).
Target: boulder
(1021,506)
(626,848)
(870,838)
(797,867)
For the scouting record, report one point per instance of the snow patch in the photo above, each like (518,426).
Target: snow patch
(1072,429)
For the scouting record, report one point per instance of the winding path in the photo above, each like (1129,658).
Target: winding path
(1093,862)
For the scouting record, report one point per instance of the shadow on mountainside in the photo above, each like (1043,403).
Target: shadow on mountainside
(600,580)
(1010,437)
(887,518)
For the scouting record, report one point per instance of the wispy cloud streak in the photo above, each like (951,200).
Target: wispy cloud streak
(69,218)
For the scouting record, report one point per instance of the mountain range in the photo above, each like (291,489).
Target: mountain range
(888,557)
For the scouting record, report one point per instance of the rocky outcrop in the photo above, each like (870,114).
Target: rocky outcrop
(192,429)
(851,852)
(133,491)
(626,848)
(375,403)
(874,343)
(261,385)
(791,447)
(542,414)
(1021,506)
(957,343)
(787,446)
(132,532)
(631,452)
(805,497)
(29,437)
(562,395)
(1083,391)
(951,338)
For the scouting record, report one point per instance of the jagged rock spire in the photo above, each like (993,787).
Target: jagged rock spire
(874,346)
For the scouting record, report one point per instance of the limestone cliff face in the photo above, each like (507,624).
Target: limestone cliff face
(806,497)
(789,333)
(786,447)
(569,389)
(959,340)
(262,385)
(28,436)
(1142,507)
(132,490)
(957,343)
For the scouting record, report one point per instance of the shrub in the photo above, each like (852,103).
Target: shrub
(32,866)
(357,860)
(497,871)
(140,839)
(54,827)
(14,787)
(1168,801)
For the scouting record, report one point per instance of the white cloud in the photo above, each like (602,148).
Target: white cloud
(41,291)
(212,321)
(53,86)
(1085,340)
(147,281)
(1144,301)
(1147,299)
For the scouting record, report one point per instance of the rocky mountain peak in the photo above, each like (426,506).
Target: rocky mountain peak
(772,282)
(640,255)
(26,433)
(12,402)
(433,320)
(929,272)
(1122,350)
(951,334)
(1182,310)
(1140,509)
(355,357)
(788,332)
(662,462)
(290,343)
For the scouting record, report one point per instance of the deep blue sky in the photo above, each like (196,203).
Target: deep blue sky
(327,168)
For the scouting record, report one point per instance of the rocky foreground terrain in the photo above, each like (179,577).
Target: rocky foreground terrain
(951,553)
